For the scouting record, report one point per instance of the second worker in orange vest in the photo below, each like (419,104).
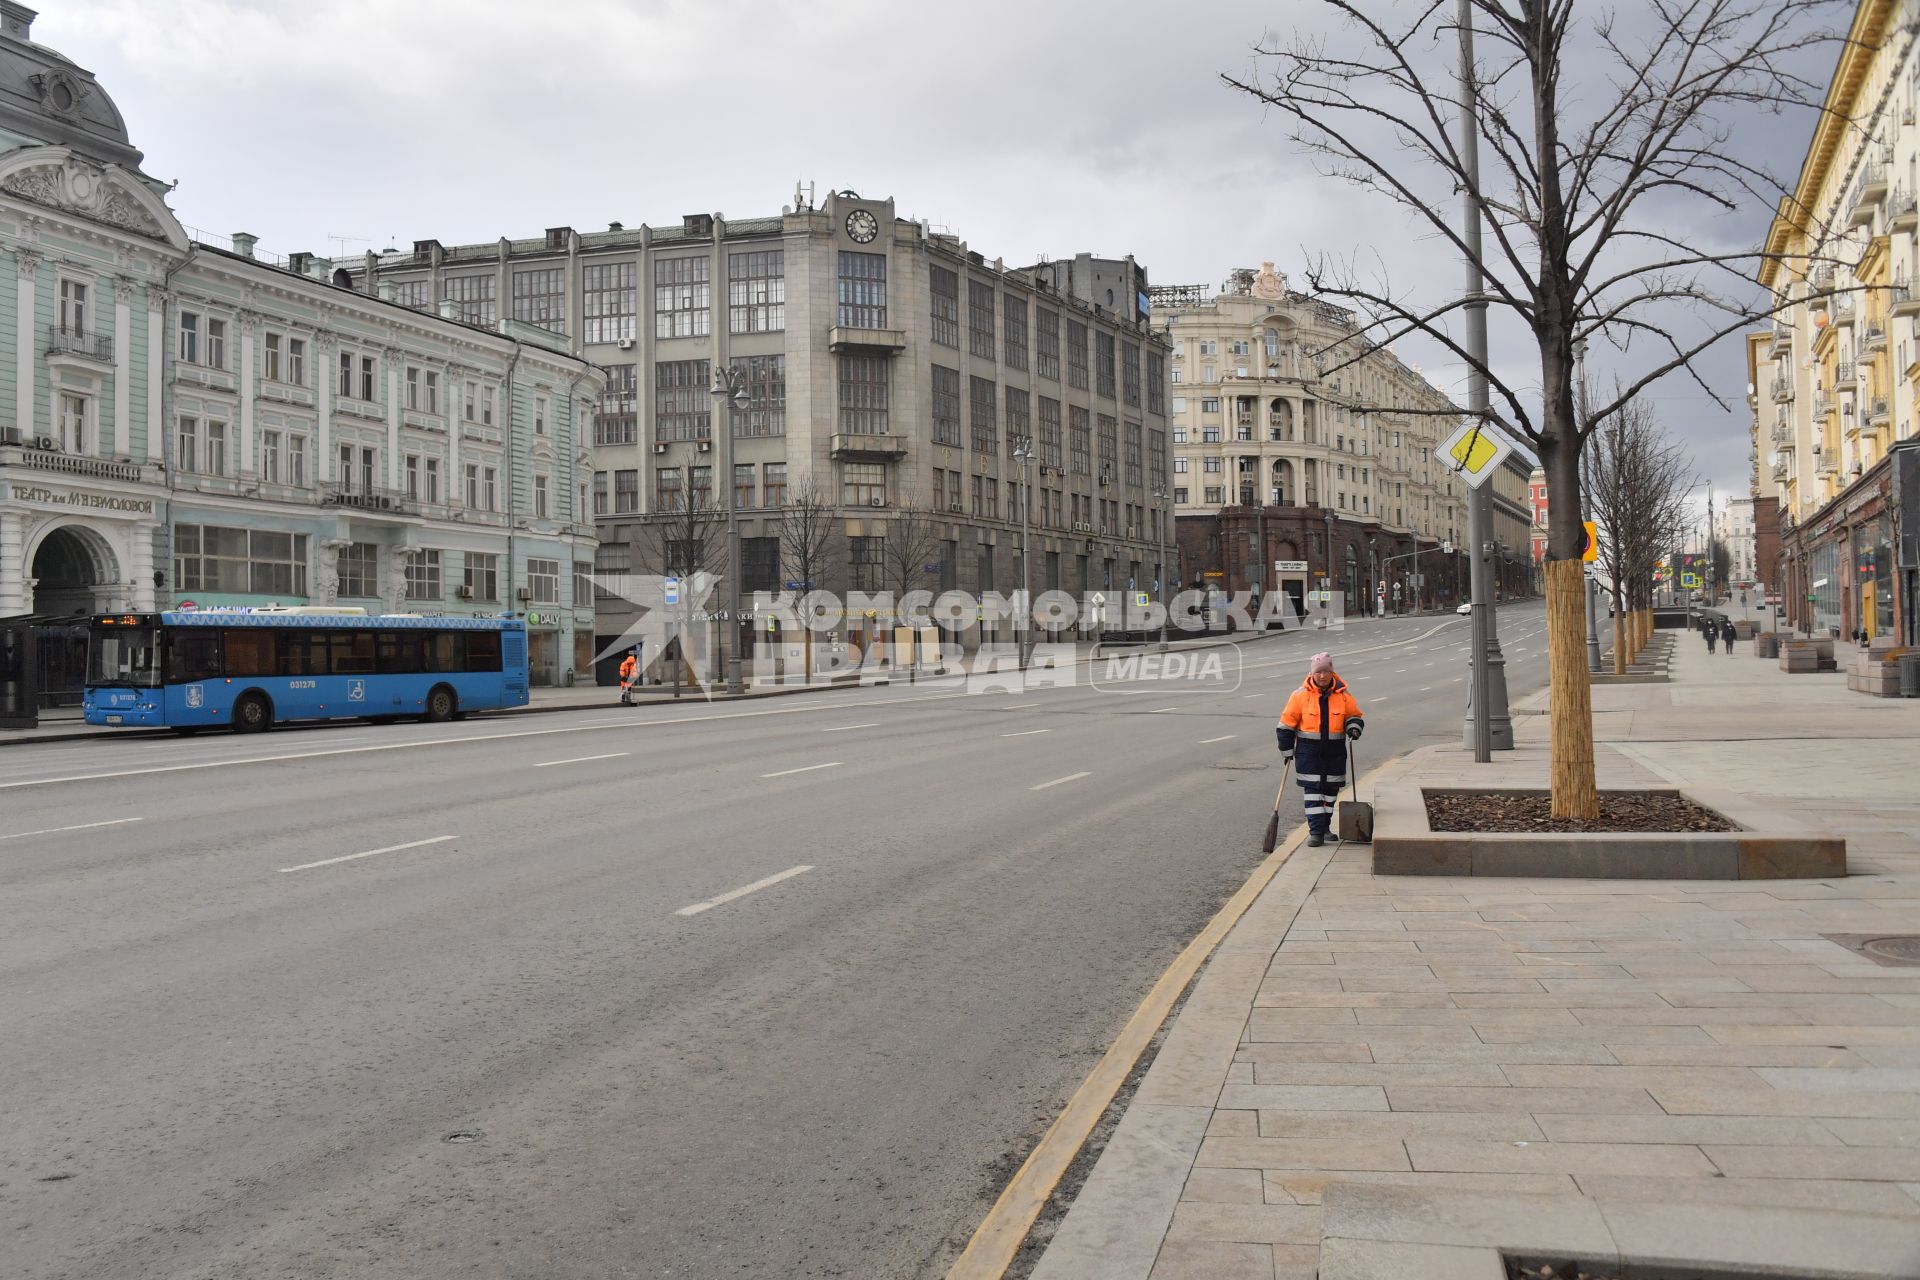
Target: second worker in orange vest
(1313,731)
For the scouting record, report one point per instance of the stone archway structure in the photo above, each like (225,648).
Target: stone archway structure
(75,569)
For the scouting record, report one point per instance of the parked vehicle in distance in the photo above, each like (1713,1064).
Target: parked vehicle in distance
(1465,608)
(248,669)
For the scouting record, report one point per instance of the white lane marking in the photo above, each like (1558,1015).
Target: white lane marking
(1457,679)
(1207,742)
(1025,733)
(1020,706)
(1157,710)
(611,755)
(1245,696)
(1072,777)
(354,857)
(1382,698)
(1425,687)
(806,768)
(842,728)
(84,826)
(741,892)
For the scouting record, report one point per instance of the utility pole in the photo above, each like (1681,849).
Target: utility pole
(730,394)
(1023,618)
(1488,726)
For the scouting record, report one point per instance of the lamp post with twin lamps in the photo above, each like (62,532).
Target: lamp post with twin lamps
(730,395)
(1022,453)
(1165,579)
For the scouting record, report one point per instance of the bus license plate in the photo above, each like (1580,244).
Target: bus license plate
(116,719)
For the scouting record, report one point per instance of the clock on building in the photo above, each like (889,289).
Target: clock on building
(862,226)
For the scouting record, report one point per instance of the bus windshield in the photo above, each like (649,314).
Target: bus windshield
(127,656)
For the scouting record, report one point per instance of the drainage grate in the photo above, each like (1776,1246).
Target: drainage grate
(1898,951)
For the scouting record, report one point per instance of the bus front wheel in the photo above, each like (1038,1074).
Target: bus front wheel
(440,704)
(251,713)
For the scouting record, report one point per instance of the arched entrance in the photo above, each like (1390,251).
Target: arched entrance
(74,571)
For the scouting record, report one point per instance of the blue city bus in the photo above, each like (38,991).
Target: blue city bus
(249,669)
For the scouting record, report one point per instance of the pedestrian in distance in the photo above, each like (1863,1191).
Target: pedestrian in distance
(1727,634)
(1711,632)
(1319,718)
(629,671)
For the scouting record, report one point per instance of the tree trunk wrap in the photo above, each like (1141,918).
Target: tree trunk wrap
(1575,793)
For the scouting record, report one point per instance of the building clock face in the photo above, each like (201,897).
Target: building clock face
(862,226)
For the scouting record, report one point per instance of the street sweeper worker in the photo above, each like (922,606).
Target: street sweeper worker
(1313,731)
(629,669)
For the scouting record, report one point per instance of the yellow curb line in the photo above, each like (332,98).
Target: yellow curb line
(1001,1233)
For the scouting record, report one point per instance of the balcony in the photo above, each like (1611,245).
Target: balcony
(32,458)
(1845,376)
(1844,305)
(363,498)
(1903,210)
(1826,466)
(1782,471)
(1878,411)
(1874,337)
(1869,192)
(842,338)
(93,349)
(1782,337)
(1820,279)
(1783,434)
(1822,404)
(850,444)
(1901,300)
(1782,390)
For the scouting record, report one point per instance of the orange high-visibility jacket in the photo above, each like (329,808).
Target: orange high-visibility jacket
(627,665)
(1317,713)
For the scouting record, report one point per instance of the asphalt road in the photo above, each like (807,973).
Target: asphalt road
(252,986)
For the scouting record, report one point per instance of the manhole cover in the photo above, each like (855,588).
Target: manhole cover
(1901,950)
(463,1135)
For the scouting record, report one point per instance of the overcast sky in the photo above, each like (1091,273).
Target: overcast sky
(1026,128)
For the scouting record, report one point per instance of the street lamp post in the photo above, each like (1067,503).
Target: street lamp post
(1023,620)
(730,393)
(1162,579)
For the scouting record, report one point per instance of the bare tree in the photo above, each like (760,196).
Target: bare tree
(911,545)
(811,531)
(1604,145)
(685,539)
(1636,479)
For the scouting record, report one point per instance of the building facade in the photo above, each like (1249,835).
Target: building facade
(924,394)
(190,425)
(1537,503)
(1301,463)
(1834,377)
(1733,528)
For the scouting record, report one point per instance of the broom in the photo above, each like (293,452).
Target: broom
(1273,823)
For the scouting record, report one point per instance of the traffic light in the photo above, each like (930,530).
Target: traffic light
(1590,541)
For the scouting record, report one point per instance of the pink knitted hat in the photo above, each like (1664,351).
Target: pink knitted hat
(1321,662)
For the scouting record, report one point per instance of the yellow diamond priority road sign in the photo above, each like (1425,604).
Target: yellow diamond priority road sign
(1474,452)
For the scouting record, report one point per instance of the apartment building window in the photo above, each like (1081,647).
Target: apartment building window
(1049,433)
(1216,495)
(700,488)
(1180,466)
(216,455)
(1179,435)
(1046,343)
(682,407)
(543,580)
(1210,404)
(1130,375)
(1135,449)
(482,575)
(416,395)
(270,358)
(473,485)
(667,493)
(773,484)
(1019,418)
(600,493)
(1180,495)
(411,293)
(946,405)
(216,343)
(863,393)
(473,299)
(681,298)
(73,422)
(539,415)
(1209,435)
(296,370)
(863,290)
(757,291)
(610,559)
(980,319)
(765,378)
(1157,460)
(368,379)
(759,564)
(615,420)
(866,558)
(863,484)
(1109,449)
(241,561)
(357,571)
(1015,336)
(743,485)
(1076,354)
(1210,465)
(542,502)
(979,490)
(1103,346)
(73,306)
(608,301)
(984,417)
(189,338)
(423,575)
(540,298)
(1156,382)
(430,491)
(1208,373)
(345,387)
(1080,440)
(297,461)
(626,491)
(186,444)
(944,287)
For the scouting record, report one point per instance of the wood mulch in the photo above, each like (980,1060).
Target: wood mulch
(1620,811)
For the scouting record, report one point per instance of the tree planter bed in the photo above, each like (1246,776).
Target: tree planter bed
(1754,842)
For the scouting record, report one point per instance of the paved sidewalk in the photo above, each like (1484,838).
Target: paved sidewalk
(1400,1075)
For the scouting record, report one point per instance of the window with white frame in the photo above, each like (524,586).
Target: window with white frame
(608,299)
(423,574)
(540,298)
(270,456)
(539,415)
(74,298)
(216,343)
(681,297)
(757,291)
(216,450)
(863,290)
(473,299)
(297,461)
(270,358)
(357,570)
(189,338)
(481,575)
(543,581)
(541,502)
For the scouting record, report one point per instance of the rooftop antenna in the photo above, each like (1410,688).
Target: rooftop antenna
(340,243)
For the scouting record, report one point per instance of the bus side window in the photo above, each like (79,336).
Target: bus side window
(444,654)
(353,653)
(483,650)
(192,655)
(249,651)
(402,652)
